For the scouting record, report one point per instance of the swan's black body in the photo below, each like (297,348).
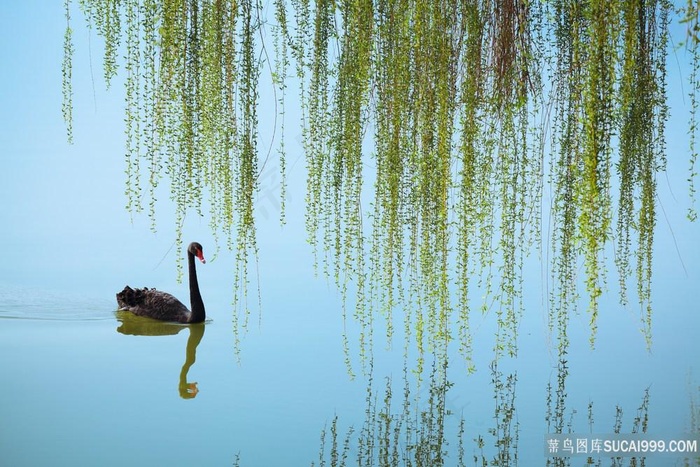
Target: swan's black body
(163,306)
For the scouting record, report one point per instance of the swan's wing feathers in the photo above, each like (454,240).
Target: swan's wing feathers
(157,299)
(152,303)
(162,305)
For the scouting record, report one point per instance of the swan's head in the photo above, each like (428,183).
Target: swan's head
(196,249)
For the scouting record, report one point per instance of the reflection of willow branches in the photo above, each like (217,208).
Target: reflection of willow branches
(420,432)
(414,436)
(559,420)
(639,425)
(556,408)
(694,394)
(139,326)
(506,429)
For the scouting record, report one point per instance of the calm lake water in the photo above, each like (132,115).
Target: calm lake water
(84,385)
(87,386)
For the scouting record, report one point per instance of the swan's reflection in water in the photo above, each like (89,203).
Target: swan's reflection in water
(133,325)
(189,390)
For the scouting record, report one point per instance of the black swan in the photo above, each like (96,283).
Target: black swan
(163,306)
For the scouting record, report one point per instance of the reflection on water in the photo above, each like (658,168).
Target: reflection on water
(414,435)
(133,325)
(442,417)
(189,390)
(694,422)
(506,430)
(561,420)
(422,429)
(416,430)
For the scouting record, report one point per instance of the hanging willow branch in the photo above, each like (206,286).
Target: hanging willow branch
(691,13)
(610,76)
(441,104)
(643,113)
(67,73)
(191,88)
(434,80)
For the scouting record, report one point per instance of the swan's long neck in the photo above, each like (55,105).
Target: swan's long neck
(196,303)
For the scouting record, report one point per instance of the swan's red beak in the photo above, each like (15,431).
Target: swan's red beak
(200,256)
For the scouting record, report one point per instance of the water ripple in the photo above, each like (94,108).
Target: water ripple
(40,304)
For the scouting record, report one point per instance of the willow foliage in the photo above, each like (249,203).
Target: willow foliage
(191,87)
(67,72)
(455,178)
(618,51)
(452,110)
(691,15)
